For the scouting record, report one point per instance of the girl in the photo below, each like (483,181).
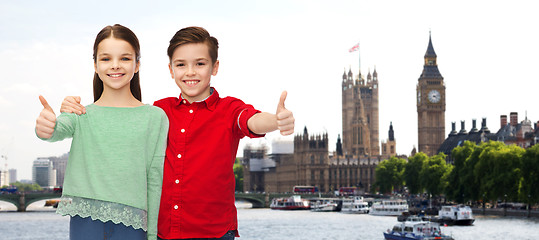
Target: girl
(112,185)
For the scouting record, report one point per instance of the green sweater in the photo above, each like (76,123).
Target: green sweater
(116,157)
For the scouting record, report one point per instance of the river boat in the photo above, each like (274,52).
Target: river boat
(393,207)
(325,204)
(294,202)
(355,204)
(414,228)
(455,215)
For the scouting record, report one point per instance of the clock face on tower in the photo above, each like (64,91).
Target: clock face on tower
(434,96)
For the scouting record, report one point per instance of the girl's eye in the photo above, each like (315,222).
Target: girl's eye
(105,59)
(126,59)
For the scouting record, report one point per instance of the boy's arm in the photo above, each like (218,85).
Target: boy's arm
(71,104)
(283,120)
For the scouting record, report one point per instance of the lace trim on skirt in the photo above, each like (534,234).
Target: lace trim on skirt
(103,211)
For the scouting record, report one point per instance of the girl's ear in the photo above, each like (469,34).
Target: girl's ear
(215,68)
(95,66)
(137,67)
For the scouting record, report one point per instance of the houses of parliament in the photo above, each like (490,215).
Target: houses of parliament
(359,150)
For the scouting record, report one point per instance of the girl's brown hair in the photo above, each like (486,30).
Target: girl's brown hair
(194,35)
(119,32)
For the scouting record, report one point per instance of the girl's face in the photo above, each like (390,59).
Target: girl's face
(115,64)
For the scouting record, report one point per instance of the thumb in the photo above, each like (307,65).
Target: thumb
(45,103)
(280,106)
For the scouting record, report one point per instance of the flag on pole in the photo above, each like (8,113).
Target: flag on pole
(354,48)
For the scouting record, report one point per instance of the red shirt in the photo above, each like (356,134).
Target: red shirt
(197,200)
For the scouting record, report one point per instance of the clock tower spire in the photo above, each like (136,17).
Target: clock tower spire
(430,104)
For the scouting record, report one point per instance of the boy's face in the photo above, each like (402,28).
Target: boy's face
(192,68)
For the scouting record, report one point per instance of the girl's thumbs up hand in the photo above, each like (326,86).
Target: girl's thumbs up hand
(46,121)
(285,118)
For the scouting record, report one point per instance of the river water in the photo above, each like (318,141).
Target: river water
(42,223)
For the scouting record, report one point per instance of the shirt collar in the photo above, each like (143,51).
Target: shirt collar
(210,101)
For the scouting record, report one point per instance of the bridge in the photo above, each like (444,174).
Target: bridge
(259,200)
(263,200)
(22,200)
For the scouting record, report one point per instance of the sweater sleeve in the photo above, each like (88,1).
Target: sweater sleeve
(64,128)
(155,177)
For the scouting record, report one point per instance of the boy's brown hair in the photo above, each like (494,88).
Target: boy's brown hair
(194,35)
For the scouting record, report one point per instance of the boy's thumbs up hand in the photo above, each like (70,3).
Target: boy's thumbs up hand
(285,118)
(46,121)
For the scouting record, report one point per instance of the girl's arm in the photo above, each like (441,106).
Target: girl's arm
(155,177)
(283,120)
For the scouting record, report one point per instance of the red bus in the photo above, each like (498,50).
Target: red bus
(305,189)
(348,191)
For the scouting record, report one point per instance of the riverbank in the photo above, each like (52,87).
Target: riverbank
(501,212)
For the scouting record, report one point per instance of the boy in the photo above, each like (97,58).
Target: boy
(197,199)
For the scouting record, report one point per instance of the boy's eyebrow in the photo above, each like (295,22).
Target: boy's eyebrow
(183,60)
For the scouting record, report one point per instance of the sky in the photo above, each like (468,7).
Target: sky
(487,53)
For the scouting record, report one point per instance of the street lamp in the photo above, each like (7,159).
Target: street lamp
(505,205)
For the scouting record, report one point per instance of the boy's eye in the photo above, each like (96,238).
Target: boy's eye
(180,65)
(201,63)
(126,59)
(105,59)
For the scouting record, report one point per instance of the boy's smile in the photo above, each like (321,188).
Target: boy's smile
(191,67)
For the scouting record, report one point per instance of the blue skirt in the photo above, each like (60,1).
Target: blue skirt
(88,229)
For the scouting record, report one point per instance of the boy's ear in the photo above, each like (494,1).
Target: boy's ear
(171,70)
(215,68)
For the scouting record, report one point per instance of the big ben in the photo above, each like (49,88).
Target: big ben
(430,105)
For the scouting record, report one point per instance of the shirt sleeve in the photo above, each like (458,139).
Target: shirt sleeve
(245,112)
(155,176)
(64,128)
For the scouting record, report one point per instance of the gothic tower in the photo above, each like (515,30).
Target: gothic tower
(430,105)
(360,115)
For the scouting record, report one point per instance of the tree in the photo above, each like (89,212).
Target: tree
(411,172)
(528,190)
(389,174)
(459,178)
(432,173)
(499,170)
(238,174)
(23,187)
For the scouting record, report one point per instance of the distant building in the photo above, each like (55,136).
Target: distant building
(4,178)
(521,134)
(12,175)
(43,173)
(59,164)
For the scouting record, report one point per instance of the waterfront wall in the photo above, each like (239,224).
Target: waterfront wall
(509,212)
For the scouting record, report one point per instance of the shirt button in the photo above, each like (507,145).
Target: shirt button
(177,181)
(183,130)
(184,101)
(191,111)
(176,207)
(179,156)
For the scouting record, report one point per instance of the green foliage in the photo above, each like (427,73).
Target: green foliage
(528,190)
(238,174)
(23,187)
(432,174)
(389,174)
(411,172)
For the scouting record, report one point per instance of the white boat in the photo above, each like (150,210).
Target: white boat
(415,229)
(394,207)
(290,203)
(354,205)
(455,215)
(325,204)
